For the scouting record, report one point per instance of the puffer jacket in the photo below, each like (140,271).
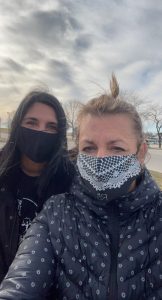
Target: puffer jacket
(91,249)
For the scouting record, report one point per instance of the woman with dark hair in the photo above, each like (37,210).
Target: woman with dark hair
(33,166)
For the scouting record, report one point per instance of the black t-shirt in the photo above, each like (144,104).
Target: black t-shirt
(27,201)
(25,191)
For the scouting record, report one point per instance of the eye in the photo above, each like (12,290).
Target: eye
(118,149)
(88,149)
(52,128)
(29,123)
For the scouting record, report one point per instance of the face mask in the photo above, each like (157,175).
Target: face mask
(108,177)
(39,146)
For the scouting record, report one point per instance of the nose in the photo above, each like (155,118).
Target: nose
(101,152)
(41,128)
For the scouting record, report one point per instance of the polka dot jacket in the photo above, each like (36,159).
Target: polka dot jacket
(80,247)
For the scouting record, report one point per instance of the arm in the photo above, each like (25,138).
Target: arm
(32,272)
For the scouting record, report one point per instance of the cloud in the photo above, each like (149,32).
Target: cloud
(45,28)
(83,42)
(60,70)
(14,66)
(73,46)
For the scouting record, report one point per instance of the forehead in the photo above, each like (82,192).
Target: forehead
(41,111)
(107,127)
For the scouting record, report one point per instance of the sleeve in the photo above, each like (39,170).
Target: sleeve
(32,272)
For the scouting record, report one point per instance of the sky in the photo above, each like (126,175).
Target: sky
(71,47)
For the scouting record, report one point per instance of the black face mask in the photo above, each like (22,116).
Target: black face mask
(39,146)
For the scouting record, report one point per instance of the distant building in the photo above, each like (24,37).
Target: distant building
(152,141)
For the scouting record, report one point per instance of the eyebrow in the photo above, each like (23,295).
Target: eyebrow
(30,118)
(87,141)
(35,119)
(109,143)
(116,141)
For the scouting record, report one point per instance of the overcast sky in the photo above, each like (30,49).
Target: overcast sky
(72,46)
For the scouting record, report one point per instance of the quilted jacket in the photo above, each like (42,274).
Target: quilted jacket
(85,248)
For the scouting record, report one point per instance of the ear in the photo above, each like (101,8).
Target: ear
(142,153)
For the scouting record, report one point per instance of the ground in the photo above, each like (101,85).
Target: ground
(158,178)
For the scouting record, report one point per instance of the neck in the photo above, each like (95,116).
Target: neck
(30,167)
(133,186)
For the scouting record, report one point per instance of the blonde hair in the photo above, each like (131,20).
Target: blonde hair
(112,104)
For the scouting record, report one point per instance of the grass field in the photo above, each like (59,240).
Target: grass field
(158,178)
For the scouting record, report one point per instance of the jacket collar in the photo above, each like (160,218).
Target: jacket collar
(144,195)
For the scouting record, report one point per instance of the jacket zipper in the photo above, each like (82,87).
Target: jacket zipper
(114,248)
(14,237)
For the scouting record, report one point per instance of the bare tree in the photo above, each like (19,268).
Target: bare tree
(140,103)
(71,110)
(154,113)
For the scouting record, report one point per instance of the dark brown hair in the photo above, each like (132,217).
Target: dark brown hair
(10,155)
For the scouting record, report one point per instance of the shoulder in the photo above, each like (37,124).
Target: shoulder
(62,181)
(59,202)
(62,209)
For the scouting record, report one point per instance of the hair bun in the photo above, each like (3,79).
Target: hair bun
(114,86)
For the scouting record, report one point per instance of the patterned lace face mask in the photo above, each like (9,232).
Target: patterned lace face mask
(110,175)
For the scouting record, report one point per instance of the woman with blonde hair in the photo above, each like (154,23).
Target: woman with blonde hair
(103,240)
